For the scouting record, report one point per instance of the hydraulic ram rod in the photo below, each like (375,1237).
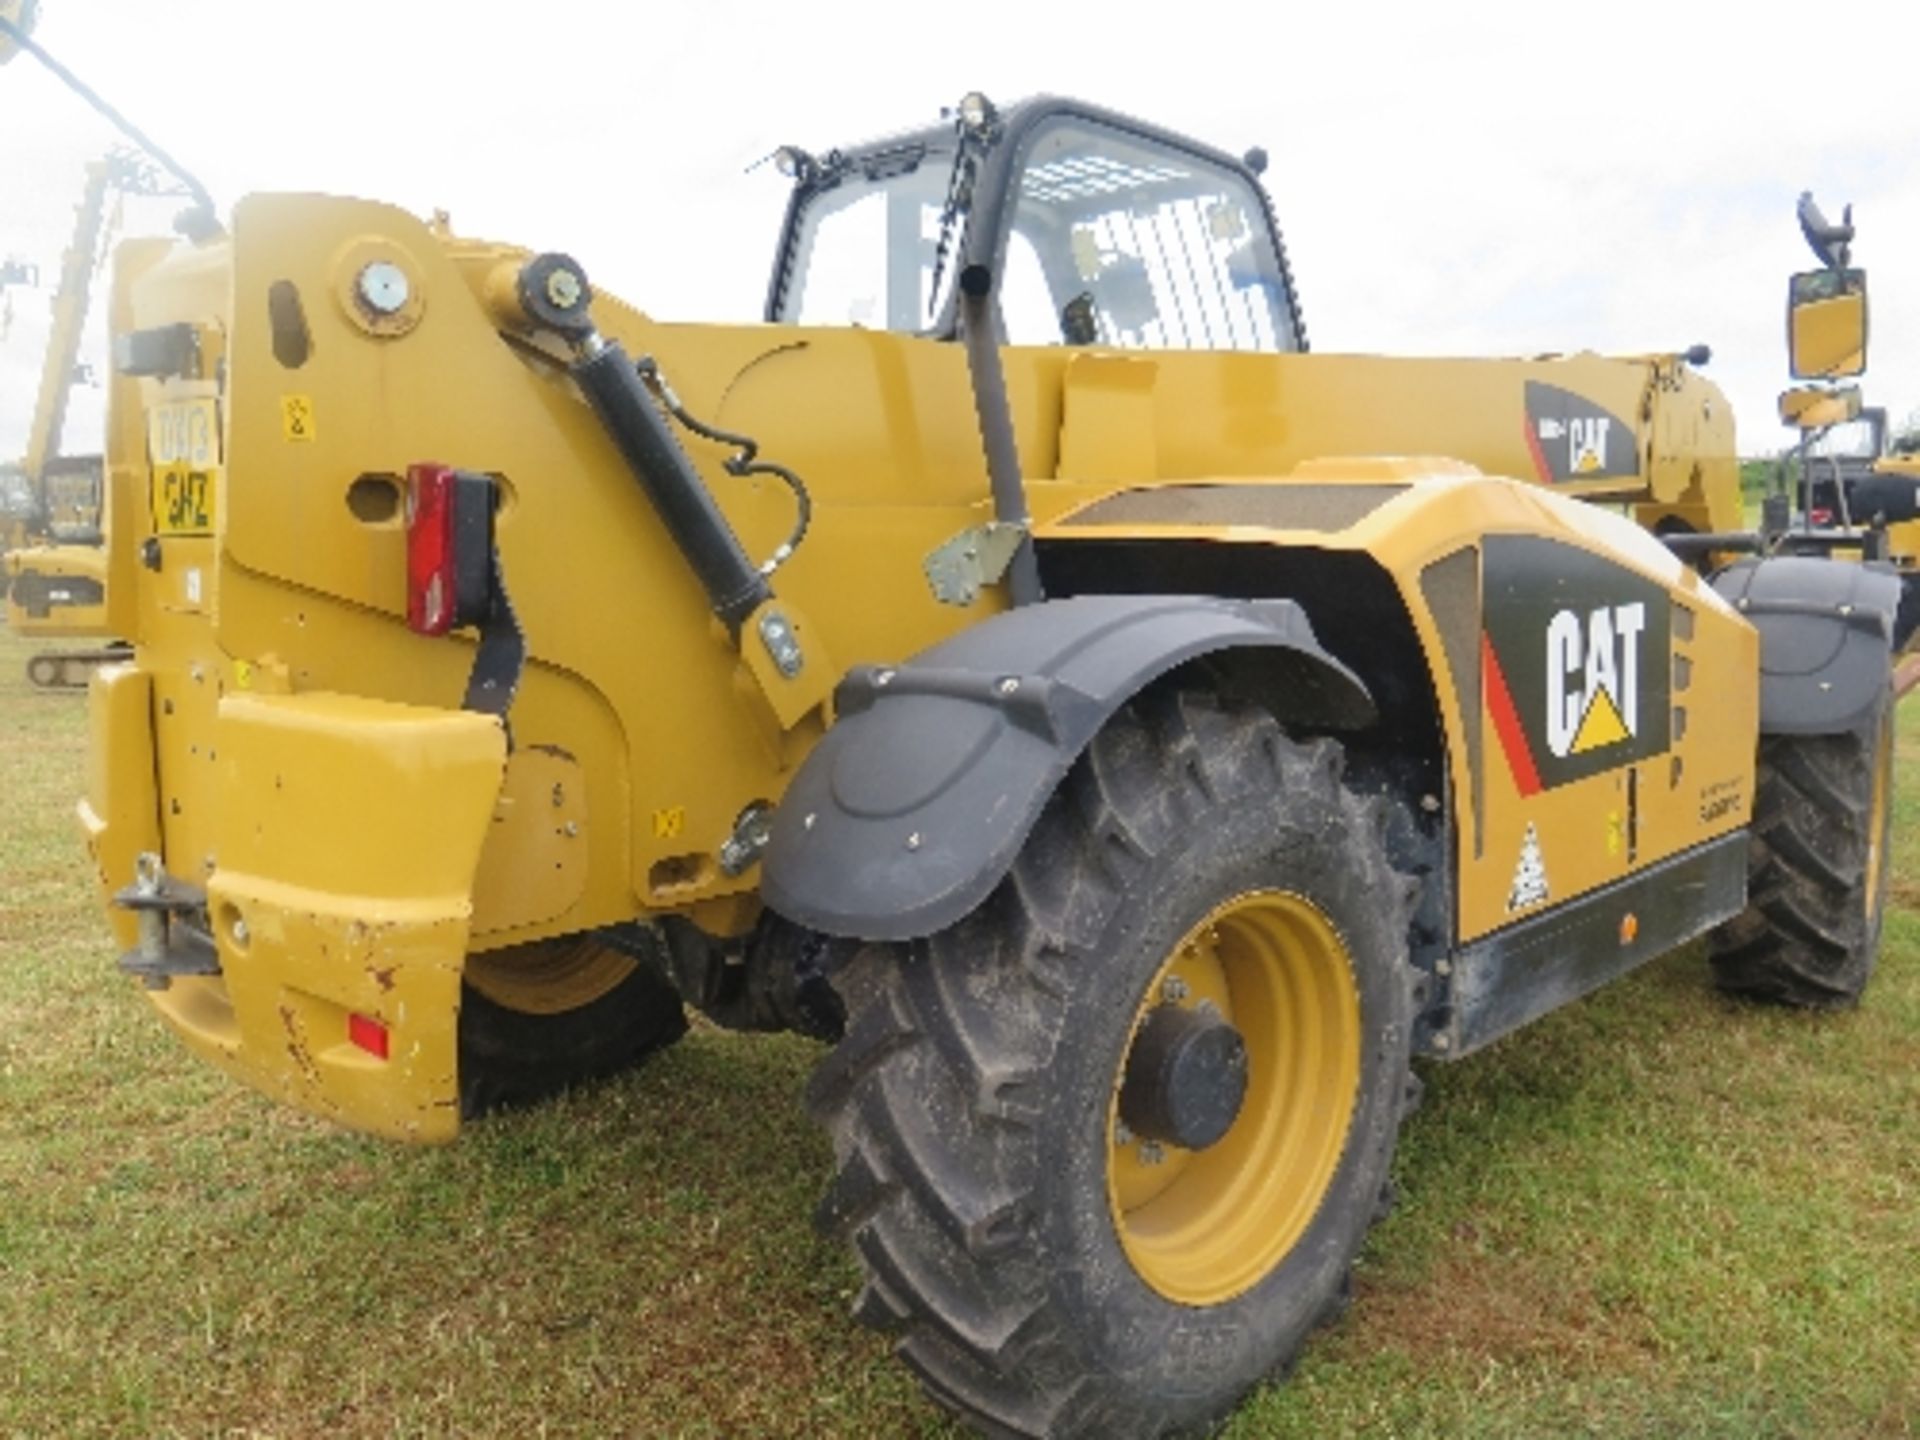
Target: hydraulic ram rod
(551,292)
(606,376)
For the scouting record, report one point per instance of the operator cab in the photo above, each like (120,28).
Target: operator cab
(1097,229)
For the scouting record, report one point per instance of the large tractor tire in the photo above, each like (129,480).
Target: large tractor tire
(541,1018)
(1816,869)
(1106,1148)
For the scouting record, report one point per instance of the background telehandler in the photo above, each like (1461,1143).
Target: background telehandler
(1863,502)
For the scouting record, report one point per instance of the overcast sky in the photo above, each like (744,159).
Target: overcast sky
(1473,179)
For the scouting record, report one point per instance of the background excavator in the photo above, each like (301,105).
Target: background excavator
(52,561)
(51,501)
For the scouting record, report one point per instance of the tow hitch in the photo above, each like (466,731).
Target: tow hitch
(175,938)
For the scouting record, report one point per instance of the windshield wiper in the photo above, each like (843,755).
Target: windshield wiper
(959,202)
(976,126)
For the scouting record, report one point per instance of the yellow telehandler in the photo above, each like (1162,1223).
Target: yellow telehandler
(1128,738)
(1858,502)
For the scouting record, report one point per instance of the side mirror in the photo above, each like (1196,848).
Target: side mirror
(1813,407)
(1827,324)
(20,15)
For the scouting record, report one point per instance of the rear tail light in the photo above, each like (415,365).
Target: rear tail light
(368,1034)
(449,548)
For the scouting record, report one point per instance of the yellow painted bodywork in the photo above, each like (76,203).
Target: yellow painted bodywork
(369,913)
(1442,506)
(59,566)
(120,813)
(1903,536)
(254,641)
(533,865)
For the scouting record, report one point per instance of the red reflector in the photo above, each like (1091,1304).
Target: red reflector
(430,550)
(369,1034)
(1820,515)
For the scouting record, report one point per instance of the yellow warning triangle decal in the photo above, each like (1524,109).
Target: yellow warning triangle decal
(1600,726)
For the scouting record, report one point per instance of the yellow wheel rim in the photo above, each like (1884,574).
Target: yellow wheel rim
(548,977)
(1202,1226)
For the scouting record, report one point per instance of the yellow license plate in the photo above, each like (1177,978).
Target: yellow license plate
(183,448)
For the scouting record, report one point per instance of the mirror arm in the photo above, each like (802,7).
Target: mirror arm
(202,200)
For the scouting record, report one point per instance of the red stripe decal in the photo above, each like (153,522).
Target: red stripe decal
(1532,432)
(1506,720)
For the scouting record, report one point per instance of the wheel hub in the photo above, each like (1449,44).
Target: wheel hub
(1230,1105)
(1186,1077)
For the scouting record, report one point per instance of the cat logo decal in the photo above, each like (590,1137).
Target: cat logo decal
(1575,659)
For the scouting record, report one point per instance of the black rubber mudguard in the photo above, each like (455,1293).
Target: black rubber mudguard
(1826,638)
(913,806)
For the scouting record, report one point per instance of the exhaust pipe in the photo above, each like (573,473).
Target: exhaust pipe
(996,429)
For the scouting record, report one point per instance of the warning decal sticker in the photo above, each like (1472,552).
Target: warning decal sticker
(1529,876)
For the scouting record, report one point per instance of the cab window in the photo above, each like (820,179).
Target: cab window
(867,252)
(1118,241)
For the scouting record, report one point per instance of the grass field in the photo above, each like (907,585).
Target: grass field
(1653,1214)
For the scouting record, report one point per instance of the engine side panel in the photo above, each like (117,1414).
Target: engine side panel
(1586,684)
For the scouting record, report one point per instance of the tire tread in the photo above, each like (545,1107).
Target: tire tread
(1807,938)
(919,1106)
